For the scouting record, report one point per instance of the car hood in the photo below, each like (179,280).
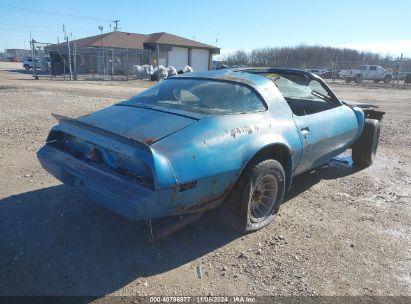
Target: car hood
(145,125)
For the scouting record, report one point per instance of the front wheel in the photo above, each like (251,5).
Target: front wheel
(26,67)
(365,148)
(256,197)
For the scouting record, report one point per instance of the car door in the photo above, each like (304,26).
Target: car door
(372,73)
(325,129)
(364,72)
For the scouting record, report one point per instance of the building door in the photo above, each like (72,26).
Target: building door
(199,59)
(178,58)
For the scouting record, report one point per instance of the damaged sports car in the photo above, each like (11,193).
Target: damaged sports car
(234,138)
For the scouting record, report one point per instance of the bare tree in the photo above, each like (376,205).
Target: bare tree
(303,56)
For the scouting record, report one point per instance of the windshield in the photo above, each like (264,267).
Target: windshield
(202,96)
(300,87)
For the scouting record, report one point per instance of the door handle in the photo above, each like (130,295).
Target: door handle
(305,131)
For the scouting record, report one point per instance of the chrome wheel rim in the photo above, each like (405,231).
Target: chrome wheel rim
(263,198)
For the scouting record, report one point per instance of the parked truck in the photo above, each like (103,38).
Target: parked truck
(375,73)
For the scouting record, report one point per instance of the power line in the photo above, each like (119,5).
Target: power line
(35,31)
(45,27)
(28,25)
(52,13)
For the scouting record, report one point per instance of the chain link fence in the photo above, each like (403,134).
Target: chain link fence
(96,63)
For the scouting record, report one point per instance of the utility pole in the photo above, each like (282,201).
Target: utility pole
(34,63)
(74,56)
(69,53)
(158,62)
(399,70)
(112,62)
(100,27)
(116,25)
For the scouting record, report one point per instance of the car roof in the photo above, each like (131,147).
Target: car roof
(279,71)
(248,76)
(227,75)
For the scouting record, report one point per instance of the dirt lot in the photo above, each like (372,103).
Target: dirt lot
(341,231)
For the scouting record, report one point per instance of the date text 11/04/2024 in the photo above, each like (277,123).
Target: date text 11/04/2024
(202,299)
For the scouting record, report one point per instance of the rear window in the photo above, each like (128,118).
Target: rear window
(202,96)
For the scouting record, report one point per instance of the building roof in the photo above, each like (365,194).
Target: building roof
(135,41)
(114,39)
(166,38)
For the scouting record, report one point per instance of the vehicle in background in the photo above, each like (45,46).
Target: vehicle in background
(41,63)
(323,73)
(317,72)
(375,73)
(27,63)
(45,63)
(328,75)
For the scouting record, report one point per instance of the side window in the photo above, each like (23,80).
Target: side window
(304,95)
(373,68)
(248,100)
(318,91)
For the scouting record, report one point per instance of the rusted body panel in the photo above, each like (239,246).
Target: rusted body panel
(153,162)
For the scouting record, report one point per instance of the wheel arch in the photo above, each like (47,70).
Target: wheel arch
(278,151)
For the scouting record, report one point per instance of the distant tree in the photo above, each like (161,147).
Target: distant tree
(239,57)
(303,56)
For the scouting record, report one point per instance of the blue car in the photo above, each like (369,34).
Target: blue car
(193,142)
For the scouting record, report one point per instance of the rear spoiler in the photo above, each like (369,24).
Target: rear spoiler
(102,137)
(160,166)
(361,105)
(367,108)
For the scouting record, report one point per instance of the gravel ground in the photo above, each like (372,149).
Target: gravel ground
(340,231)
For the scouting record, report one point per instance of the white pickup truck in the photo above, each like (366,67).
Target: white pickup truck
(367,72)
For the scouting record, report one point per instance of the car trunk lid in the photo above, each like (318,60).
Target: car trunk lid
(142,124)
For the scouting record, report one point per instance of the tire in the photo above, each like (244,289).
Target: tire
(27,67)
(358,78)
(376,80)
(244,209)
(387,79)
(347,80)
(365,148)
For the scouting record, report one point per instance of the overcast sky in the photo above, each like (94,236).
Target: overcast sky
(378,26)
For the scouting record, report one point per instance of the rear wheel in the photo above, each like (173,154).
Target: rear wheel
(364,149)
(256,197)
(358,78)
(376,80)
(347,80)
(26,66)
(387,79)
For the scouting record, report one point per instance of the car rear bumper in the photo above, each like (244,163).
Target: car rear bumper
(106,187)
